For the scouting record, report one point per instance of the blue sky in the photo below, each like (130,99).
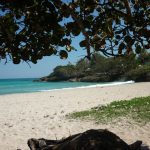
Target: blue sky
(42,68)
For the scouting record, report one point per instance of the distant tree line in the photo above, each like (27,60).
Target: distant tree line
(103,69)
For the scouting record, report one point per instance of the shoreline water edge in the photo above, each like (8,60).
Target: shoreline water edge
(92,86)
(12,86)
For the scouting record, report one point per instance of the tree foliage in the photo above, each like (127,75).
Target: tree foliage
(31,29)
(102,69)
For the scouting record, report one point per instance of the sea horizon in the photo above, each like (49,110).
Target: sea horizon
(26,85)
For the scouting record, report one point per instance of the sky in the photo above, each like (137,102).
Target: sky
(44,66)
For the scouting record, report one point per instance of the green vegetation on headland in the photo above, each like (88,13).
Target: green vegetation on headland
(137,109)
(102,69)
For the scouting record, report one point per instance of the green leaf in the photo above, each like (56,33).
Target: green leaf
(116,42)
(68,48)
(83,43)
(90,18)
(66,41)
(16,60)
(95,39)
(147,46)
(138,49)
(127,39)
(121,47)
(63,54)
(118,37)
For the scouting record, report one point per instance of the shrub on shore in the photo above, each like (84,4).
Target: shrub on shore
(102,69)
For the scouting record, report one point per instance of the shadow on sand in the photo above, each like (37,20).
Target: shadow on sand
(144,147)
(89,140)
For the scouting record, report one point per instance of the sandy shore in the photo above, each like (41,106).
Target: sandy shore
(42,114)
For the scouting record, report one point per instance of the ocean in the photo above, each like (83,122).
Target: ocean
(12,86)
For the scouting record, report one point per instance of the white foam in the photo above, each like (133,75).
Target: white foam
(92,86)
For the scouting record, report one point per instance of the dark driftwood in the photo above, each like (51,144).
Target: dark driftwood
(89,140)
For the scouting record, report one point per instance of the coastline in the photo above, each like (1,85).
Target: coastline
(42,114)
(92,86)
(28,86)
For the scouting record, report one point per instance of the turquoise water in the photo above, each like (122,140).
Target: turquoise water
(11,86)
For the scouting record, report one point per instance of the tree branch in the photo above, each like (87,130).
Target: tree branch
(79,22)
(127,5)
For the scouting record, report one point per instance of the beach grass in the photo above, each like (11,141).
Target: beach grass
(137,109)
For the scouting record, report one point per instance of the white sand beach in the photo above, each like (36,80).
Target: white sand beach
(42,114)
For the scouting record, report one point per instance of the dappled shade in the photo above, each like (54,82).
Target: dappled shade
(89,140)
(31,29)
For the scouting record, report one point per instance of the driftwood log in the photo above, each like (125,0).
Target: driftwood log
(89,140)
